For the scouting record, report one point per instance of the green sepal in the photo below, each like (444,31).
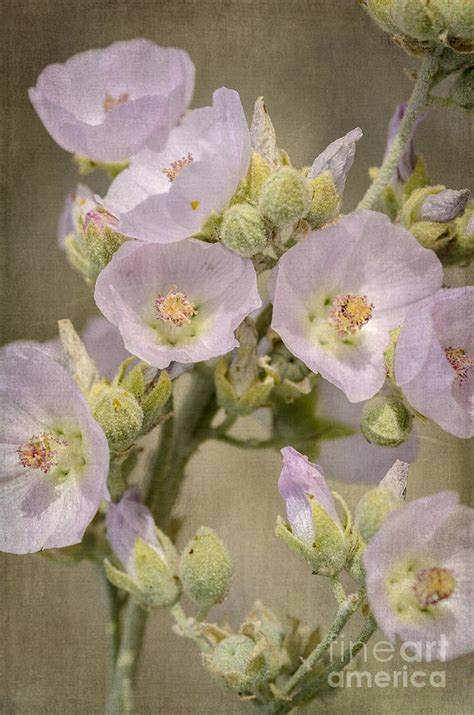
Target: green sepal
(330,545)
(79,363)
(258,173)
(121,580)
(210,227)
(252,398)
(87,166)
(155,401)
(418,179)
(389,354)
(78,259)
(134,382)
(157,584)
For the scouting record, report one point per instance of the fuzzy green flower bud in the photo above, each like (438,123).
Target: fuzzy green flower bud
(386,421)
(325,203)
(458,21)
(240,662)
(376,505)
(417,18)
(243,230)
(285,197)
(381,12)
(294,378)
(429,213)
(244,381)
(119,414)
(148,558)
(462,91)
(101,239)
(205,568)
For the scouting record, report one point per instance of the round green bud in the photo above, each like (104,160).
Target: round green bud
(285,197)
(325,203)
(386,421)
(434,235)
(205,568)
(243,230)
(239,662)
(462,91)
(119,414)
(458,17)
(373,509)
(381,11)
(417,18)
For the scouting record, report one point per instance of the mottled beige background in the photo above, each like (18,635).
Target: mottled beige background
(323,69)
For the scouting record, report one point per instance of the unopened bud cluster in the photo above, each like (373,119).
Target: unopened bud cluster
(421,23)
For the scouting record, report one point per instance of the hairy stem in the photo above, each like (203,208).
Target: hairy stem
(121,693)
(416,104)
(180,436)
(311,690)
(188,628)
(346,610)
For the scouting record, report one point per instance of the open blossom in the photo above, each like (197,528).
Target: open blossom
(351,458)
(299,482)
(128,520)
(179,302)
(168,195)
(54,456)
(420,577)
(107,104)
(434,359)
(339,292)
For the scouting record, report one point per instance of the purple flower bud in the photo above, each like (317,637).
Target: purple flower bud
(445,206)
(299,480)
(407,163)
(128,520)
(337,158)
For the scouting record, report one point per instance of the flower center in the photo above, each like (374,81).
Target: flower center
(174,308)
(175,167)
(460,361)
(433,585)
(111,102)
(349,313)
(41,452)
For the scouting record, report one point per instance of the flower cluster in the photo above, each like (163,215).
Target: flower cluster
(211,254)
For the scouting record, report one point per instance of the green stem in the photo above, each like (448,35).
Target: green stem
(346,610)
(338,590)
(180,436)
(184,435)
(416,104)
(189,628)
(242,443)
(121,694)
(311,690)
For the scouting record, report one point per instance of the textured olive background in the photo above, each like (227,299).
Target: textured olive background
(323,68)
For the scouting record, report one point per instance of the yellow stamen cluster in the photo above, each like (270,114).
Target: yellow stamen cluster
(111,102)
(349,313)
(175,167)
(174,308)
(433,585)
(460,361)
(40,452)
